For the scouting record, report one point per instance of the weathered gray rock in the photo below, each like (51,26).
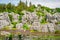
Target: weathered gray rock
(5,33)
(50,27)
(6,17)
(57,16)
(19,26)
(32,20)
(4,20)
(29,17)
(57,27)
(44,28)
(36,26)
(3,23)
(51,18)
(15,17)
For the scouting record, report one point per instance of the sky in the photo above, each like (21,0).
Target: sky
(48,3)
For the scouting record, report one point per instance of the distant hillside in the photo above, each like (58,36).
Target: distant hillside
(23,6)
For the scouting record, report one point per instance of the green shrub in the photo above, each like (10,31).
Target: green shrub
(43,21)
(10,17)
(20,18)
(25,26)
(10,37)
(14,23)
(57,32)
(20,37)
(40,14)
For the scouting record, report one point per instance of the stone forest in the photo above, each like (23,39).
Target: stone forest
(23,22)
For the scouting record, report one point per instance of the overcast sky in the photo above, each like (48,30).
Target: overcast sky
(48,3)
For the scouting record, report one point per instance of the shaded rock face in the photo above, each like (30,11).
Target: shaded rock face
(53,18)
(4,16)
(57,27)
(57,16)
(29,17)
(44,28)
(51,27)
(48,27)
(4,20)
(36,26)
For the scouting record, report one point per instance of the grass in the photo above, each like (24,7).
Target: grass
(40,38)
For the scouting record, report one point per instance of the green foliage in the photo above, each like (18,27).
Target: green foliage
(14,23)
(58,22)
(2,7)
(46,8)
(20,37)
(58,9)
(20,18)
(31,8)
(10,17)
(6,28)
(21,6)
(20,13)
(50,10)
(14,28)
(43,21)
(7,8)
(25,26)
(57,32)
(10,37)
(40,14)
(10,7)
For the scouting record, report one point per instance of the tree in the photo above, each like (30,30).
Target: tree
(57,9)
(10,7)
(21,6)
(2,7)
(31,8)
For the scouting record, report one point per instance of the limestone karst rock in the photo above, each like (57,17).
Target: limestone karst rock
(48,27)
(57,16)
(36,26)
(32,20)
(29,17)
(19,26)
(4,20)
(5,33)
(3,23)
(14,16)
(51,18)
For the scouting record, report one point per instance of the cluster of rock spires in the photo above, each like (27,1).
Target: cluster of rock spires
(32,20)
